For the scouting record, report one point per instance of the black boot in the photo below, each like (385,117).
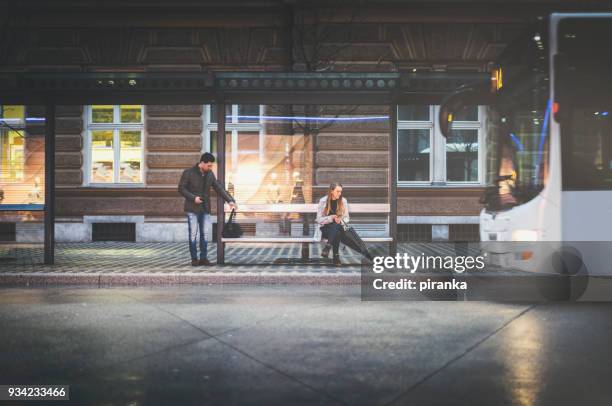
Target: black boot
(337,261)
(325,252)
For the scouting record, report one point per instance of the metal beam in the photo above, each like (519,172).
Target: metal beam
(221,179)
(393,180)
(106,87)
(49,184)
(236,87)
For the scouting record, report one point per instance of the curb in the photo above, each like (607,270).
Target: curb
(110,280)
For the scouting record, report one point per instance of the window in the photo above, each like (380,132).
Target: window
(462,156)
(414,155)
(244,134)
(12,156)
(425,157)
(114,144)
(22,153)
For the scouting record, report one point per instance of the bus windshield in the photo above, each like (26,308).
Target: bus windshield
(584,92)
(517,143)
(517,123)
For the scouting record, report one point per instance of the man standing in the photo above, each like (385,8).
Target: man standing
(195,186)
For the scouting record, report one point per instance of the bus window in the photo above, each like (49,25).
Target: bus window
(585,100)
(588,151)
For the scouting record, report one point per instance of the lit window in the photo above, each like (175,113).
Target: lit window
(13,156)
(12,134)
(21,159)
(115,144)
(13,113)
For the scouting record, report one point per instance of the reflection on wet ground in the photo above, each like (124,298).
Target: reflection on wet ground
(301,345)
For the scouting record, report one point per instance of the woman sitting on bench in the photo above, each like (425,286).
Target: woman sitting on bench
(333,209)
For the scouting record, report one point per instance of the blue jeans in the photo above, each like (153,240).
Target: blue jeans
(198,224)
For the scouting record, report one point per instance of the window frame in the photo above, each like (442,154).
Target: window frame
(417,125)
(233,126)
(437,149)
(116,127)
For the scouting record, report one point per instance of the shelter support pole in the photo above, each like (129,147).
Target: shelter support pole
(393,180)
(221,178)
(49,216)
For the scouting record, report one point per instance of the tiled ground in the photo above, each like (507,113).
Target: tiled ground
(135,258)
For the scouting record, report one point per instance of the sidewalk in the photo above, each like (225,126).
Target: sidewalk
(128,263)
(125,263)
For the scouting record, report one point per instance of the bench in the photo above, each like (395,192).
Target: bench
(308,208)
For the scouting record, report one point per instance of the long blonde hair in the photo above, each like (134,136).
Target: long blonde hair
(340,206)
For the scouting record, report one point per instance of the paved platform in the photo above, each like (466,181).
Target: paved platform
(120,263)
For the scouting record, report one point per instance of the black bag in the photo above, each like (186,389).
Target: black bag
(231,228)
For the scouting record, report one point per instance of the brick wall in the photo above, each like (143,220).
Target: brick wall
(248,39)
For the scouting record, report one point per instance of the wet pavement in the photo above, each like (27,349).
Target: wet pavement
(293,345)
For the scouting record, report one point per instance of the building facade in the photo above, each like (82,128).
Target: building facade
(118,165)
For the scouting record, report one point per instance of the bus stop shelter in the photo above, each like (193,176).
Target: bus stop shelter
(221,89)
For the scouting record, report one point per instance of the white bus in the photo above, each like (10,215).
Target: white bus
(549,143)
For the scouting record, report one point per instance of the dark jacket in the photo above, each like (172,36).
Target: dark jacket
(195,183)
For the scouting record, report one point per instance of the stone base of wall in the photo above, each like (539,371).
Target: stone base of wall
(439,227)
(29,232)
(145,232)
(161,230)
(175,229)
(72,232)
